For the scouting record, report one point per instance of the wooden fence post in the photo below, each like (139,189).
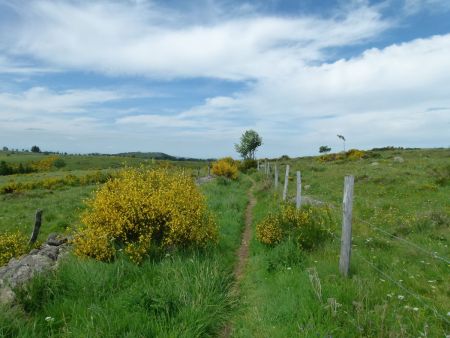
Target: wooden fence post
(286,179)
(276,177)
(37,226)
(209,169)
(346,238)
(298,200)
(258,166)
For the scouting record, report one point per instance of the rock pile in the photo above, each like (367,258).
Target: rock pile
(19,271)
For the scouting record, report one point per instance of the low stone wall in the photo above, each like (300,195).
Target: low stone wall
(19,271)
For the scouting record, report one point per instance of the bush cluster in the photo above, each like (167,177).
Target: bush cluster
(56,182)
(45,164)
(226,167)
(247,165)
(141,210)
(308,226)
(352,155)
(12,244)
(11,169)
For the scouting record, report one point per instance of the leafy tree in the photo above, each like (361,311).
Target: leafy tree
(250,141)
(324,149)
(35,149)
(5,149)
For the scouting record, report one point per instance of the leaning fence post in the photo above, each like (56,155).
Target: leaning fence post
(286,179)
(298,199)
(276,177)
(37,227)
(346,238)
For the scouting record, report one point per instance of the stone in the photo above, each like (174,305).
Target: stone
(399,159)
(7,296)
(374,163)
(20,270)
(55,240)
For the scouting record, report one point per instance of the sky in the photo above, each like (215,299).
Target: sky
(189,77)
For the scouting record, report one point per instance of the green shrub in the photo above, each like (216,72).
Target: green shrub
(247,165)
(442,175)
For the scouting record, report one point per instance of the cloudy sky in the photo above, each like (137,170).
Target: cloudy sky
(188,77)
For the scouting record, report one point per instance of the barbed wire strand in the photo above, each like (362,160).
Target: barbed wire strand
(412,244)
(391,279)
(432,254)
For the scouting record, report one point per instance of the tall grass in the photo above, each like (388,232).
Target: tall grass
(184,293)
(289,293)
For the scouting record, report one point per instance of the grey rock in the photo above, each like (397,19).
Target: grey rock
(7,296)
(399,159)
(20,270)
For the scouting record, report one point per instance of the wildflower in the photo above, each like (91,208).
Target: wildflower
(400,297)
(415,309)
(49,319)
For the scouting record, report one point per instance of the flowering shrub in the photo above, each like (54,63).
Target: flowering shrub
(12,245)
(226,167)
(45,164)
(309,226)
(55,182)
(269,230)
(143,209)
(355,154)
(352,154)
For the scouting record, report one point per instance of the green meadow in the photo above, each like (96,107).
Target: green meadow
(399,275)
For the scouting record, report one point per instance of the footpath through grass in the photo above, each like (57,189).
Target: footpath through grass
(291,293)
(184,293)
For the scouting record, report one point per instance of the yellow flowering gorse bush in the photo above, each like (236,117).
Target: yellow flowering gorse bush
(269,230)
(12,245)
(143,208)
(226,167)
(309,226)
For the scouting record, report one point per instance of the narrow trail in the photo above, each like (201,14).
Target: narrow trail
(242,252)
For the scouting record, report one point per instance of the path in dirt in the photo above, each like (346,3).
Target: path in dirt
(242,252)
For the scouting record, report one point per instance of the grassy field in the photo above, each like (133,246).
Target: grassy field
(395,289)
(288,292)
(182,293)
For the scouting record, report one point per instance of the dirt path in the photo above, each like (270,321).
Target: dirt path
(242,252)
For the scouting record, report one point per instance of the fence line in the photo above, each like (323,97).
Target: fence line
(391,279)
(405,241)
(432,254)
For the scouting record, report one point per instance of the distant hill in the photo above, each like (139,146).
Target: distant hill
(159,156)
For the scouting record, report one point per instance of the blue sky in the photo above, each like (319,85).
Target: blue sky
(188,77)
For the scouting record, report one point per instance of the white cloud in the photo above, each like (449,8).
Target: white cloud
(38,101)
(382,97)
(144,39)
(412,7)
(296,97)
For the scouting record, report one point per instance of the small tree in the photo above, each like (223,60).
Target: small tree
(5,149)
(250,141)
(324,149)
(35,149)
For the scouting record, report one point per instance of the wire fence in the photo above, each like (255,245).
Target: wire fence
(405,242)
